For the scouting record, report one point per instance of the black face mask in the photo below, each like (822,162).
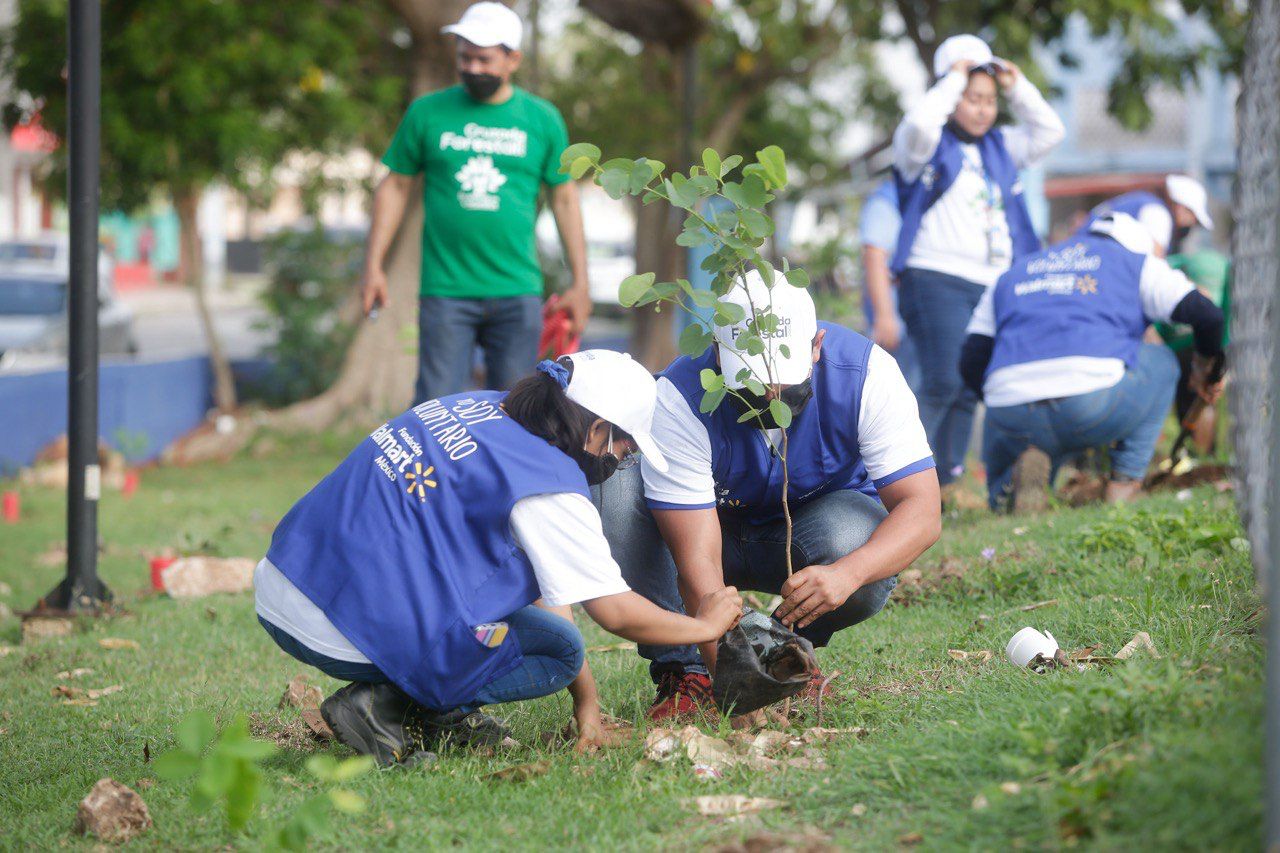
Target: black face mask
(795,398)
(960,133)
(1180,233)
(597,468)
(482,87)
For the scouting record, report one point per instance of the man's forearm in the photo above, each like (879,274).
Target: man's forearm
(567,211)
(389,203)
(875,264)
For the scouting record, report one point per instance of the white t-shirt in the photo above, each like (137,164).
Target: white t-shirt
(891,438)
(560,533)
(1160,288)
(953,237)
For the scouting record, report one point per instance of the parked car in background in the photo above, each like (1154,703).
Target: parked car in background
(34,324)
(50,252)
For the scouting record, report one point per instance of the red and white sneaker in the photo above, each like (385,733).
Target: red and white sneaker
(682,695)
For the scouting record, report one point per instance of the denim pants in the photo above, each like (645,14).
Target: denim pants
(552,647)
(1127,416)
(448,330)
(825,529)
(936,308)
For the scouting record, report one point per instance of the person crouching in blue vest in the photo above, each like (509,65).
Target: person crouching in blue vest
(855,448)
(964,218)
(1169,219)
(1055,349)
(413,570)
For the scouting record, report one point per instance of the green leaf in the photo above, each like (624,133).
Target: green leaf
(703,298)
(749,414)
(347,801)
(756,223)
(619,164)
(578,149)
(750,193)
(711,400)
(728,313)
(217,773)
(249,750)
(177,764)
(640,177)
(767,272)
(242,797)
(313,816)
(694,340)
(785,350)
(196,731)
(323,767)
(615,182)
(704,186)
(710,379)
(731,162)
(691,238)
(781,413)
(683,284)
(798,277)
(579,167)
(774,162)
(633,287)
(755,386)
(752,344)
(711,162)
(657,165)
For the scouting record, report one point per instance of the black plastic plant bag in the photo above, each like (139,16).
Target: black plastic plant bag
(759,662)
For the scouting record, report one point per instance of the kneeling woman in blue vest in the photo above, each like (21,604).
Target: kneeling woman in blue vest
(412,570)
(1055,349)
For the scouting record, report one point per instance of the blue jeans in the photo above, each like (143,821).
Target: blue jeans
(754,557)
(552,647)
(936,308)
(1128,416)
(448,330)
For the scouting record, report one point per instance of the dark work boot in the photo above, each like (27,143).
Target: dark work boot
(377,720)
(459,729)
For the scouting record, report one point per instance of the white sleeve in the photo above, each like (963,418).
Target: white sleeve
(983,319)
(1039,128)
(688,482)
(1161,288)
(891,439)
(1158,222)
(563,538)
(917,136)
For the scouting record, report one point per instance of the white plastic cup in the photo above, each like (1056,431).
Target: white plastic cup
(1027,643)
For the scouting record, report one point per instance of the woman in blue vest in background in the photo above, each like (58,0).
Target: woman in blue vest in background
(1169,218)
(963,218)
(1056,350)
(412,570)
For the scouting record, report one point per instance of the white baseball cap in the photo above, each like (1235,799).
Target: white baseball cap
(488,24)
(1191,194)
(797,324)
(960,47)
(612,386)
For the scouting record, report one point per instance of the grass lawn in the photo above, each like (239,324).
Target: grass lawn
(1152,752)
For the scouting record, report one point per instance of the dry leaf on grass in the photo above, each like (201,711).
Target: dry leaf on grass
(1141,642)
(910,839)
(613,647)
(301,695)
(315,722)
(112,812)
(980,802)
(1011,788)
(661,744)
(78,672)
(195,577)
(982,655)
(36,628)
(520,772)
(117,643)
(721,805)
(824,735)
(5,651)
(289,734)
(81,696)
(808,840)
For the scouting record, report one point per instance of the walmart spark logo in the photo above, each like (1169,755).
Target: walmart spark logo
(1087,284)
(420,480)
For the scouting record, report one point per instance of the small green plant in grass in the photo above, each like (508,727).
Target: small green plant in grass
(225,766)
(311,820)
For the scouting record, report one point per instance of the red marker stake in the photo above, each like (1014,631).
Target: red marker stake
(11,507)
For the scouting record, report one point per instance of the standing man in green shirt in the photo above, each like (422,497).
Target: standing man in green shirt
(484,149)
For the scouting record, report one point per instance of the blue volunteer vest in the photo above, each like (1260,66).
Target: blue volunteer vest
(1077,298)
(406,546)
(822,449)
(1127,203)
(915,198)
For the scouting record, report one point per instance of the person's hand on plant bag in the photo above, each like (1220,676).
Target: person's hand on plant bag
(813,592)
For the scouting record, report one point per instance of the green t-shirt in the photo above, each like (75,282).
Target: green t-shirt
(482,166)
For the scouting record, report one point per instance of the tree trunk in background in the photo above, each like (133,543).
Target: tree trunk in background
(191,264)
(653,341)
(378,373)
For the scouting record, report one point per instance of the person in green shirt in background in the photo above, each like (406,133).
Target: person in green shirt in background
(1210,271)
(484,149)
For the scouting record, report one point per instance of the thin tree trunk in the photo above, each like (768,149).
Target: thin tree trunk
(192,266)
(652,333)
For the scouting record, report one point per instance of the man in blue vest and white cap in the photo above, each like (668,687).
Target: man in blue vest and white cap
(1055,349)
(1170,219)
(862,489)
